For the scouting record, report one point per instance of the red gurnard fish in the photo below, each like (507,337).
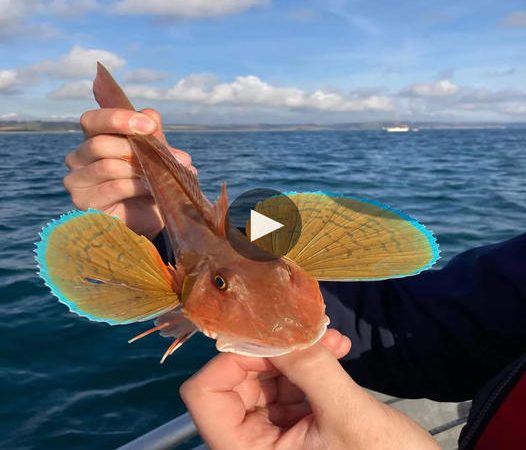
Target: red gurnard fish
(103,271)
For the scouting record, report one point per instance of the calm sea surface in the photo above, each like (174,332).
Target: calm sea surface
(70,383)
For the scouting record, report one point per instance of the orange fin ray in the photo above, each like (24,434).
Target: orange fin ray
(176,344)
(221,211)
(147,332)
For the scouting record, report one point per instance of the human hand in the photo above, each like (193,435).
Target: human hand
(102,173)
(303,400)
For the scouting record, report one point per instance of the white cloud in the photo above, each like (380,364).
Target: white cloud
(467,102)
(9,116)
(144,76)
(504,101)
(8,81)
(252,91)
(186,8)
(12,15)
(12,10)
(75,90)
(516,19)
(79,62)
(67,7)
(514,109)
(441,88)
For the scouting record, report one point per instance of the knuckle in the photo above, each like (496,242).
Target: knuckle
(95,145)
(118,121)
(67,182)
(68,160)
(187,388)
(85,119)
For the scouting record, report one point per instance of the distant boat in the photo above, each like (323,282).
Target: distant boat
(399,129)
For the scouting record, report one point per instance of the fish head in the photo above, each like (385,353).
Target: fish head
(256,308)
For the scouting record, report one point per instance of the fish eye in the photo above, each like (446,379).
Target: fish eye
(220,282)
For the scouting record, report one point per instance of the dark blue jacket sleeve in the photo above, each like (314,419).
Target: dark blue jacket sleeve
(441,334)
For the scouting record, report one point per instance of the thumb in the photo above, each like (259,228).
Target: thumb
(156,116)
(317,372)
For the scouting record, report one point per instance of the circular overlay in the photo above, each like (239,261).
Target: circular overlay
(267,216)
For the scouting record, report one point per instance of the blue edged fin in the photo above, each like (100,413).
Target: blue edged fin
(349,238)
(100,269)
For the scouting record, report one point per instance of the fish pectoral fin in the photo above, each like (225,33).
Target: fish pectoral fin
(101,270)
(351,239)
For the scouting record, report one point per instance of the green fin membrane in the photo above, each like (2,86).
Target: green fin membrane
(348,238)
(100,269)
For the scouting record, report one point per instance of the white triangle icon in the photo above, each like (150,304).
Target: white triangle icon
(261,225)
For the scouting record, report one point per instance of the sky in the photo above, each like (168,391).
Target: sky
(268,61)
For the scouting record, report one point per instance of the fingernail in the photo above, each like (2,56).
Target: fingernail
(142,124)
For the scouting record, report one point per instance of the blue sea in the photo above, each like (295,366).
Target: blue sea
(69,383)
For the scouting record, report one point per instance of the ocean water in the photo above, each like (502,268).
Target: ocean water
(70,383)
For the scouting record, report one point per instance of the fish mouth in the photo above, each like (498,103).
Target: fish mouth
(232,344)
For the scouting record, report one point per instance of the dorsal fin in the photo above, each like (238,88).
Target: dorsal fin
(109,94)
(221,211)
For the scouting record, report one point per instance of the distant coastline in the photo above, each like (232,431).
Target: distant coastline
(64,127)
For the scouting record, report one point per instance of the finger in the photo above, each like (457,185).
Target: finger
(184,158)
(288,392)
(285,416)
(263,388)
(99,172)
(210,396)
(338,344)
(156,116)
(103,146)
(181,156)
(317,373)
(280,389)
(254,392)
(116,121)
(214,386)
(105,195)
(108,146)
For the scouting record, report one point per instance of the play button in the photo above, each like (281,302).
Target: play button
(264,224)
(261,225)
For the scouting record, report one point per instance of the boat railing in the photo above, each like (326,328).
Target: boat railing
(181,429)
(167,436)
